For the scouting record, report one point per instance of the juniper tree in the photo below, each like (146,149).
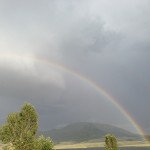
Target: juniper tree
(20,130)
(111,142)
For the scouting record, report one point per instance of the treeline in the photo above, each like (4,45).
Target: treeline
(20,132)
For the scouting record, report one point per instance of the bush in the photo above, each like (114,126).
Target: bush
(44,143)
(111,142)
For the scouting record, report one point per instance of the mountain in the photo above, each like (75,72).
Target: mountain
(84,131)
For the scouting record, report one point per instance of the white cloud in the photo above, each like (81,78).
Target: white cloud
(28,65)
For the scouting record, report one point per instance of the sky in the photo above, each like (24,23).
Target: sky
(45,46)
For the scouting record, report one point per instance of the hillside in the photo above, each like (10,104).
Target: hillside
(83,131)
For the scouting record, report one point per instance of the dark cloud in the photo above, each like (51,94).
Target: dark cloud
(107,42)
(86,36)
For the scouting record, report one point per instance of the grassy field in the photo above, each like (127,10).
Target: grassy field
(70,145)
(123,145)
(121,148)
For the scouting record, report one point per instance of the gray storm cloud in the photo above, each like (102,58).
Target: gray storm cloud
(107,42)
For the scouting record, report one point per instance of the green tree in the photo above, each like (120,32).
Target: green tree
(111,142)
(20,130)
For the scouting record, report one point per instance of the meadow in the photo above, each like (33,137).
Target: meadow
(122,148)
(123,145)
(99,145)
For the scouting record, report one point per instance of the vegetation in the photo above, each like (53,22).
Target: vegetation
(20,129)
(20,132)
(44,143)
(111,142)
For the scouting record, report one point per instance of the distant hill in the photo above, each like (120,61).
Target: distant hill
(84,131)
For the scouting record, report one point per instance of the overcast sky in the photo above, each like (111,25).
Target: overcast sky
(106,41)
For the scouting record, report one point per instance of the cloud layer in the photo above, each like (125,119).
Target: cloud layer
(107,42)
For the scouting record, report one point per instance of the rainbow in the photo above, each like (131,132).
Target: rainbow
(89,82)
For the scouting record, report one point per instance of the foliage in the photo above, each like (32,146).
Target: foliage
(44,143)
(111,142)
(20,130)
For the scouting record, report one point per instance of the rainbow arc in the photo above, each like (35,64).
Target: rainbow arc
(83,78)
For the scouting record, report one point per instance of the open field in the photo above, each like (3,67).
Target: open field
(121,148)
(127,144)
(124,145)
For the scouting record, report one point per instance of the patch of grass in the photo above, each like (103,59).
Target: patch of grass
(72,145)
